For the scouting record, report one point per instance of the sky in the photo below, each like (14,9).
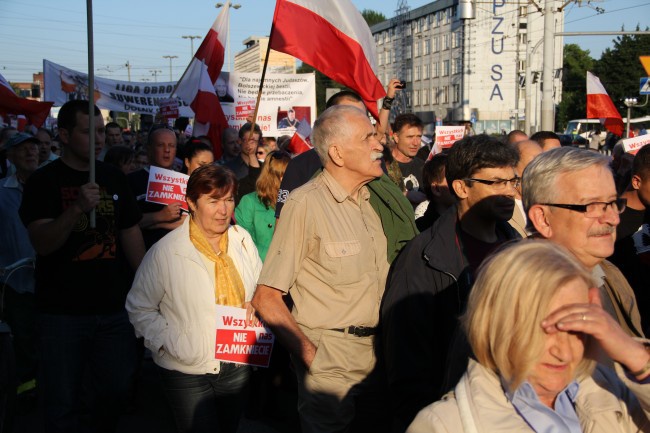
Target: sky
(141,32)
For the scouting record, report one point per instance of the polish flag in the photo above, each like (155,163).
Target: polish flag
(300,141)
(600,106)
(10,103)
(197,86)
(334,38)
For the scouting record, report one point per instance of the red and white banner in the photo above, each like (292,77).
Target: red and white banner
(600,106)
(334,38)
(10,103)
(241,344)
(632,145)
(167,186)
(446,136)
(197,87)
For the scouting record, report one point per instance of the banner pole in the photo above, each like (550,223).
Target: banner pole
(259,93)
(91,102)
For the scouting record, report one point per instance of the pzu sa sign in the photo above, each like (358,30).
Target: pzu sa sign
(644,88)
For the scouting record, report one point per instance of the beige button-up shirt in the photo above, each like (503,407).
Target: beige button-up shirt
(329,252)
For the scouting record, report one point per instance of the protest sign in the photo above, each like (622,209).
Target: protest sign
(632,145)
(238,343)
(169,108)
(446,136)
(237,93)
(166,186)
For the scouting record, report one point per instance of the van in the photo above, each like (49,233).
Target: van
(584,127)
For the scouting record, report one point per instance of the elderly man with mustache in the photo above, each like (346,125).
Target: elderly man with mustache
(570,198)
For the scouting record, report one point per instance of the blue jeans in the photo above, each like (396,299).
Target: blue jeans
(206,402)
(86,370)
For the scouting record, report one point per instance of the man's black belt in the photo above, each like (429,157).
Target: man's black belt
(359,331)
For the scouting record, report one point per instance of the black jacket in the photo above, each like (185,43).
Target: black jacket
(426,292)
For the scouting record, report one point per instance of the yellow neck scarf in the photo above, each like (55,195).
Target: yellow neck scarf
(229,289)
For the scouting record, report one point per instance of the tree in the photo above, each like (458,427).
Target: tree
(619,69)
(372,17)
(574,84)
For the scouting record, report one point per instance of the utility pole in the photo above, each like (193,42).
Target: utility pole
(191,38)
(170,65)
(128,69)
(155,73)
(548,117)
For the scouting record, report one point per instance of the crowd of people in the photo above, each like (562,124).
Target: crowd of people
(501,285)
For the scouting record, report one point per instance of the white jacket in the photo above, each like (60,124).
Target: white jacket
(171,303)
(606,403)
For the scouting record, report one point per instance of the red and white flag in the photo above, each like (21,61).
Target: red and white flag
(198,84)
(300,141)
(10,103)
(334,38)
(600,106)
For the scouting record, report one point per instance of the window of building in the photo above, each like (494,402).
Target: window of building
(445,42)
(522,38)
(414,26)
(427,46)
(423,24)
(436,44)
(436,70)
(439,17)
(445,95)
(456,91)
(408,30)
(454,12)
(521,65)
(456,67)
(431,18)
(416,46)
(455,39)
(417,73)
(523,11)
(448,15)
(378,40)
(408,52)
(435,96)
(425,96)
(409,75)
(380,60)
(408,97)
(445,68)
(416,99)
(426,71)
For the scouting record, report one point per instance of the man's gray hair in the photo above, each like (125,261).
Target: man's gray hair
(332,125)
(539,182)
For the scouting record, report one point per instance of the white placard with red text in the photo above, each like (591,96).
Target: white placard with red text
(632,145)
(241,344)
(166,186)
(446,136)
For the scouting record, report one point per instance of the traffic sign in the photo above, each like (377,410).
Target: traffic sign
(644,88)
(645,61)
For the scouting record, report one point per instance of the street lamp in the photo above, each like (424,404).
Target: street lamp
(191,38)
(170,64)
(234,6)
(155,73)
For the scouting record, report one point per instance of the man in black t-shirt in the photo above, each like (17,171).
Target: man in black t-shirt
(632,247)
(81,280)
(407,135)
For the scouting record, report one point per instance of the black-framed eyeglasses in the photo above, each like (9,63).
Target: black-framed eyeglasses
(497,184)
(594,209)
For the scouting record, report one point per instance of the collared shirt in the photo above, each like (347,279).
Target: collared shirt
(598,274)
(329,251)
(14,237)
(541,418)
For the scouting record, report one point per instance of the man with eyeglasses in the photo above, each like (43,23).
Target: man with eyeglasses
(430,281)
(157,219)
(570,198)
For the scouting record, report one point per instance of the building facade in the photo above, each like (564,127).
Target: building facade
(251,59)
(466,60)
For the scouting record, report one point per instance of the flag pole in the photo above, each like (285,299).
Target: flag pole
(266,62)
(91,101)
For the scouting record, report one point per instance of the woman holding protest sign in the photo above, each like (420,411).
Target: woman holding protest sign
(182,281)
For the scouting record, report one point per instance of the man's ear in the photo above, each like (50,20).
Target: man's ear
(636,182)
(460,188)
(538,215)
(335,155)
(64,135)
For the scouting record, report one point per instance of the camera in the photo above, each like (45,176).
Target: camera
(402,85)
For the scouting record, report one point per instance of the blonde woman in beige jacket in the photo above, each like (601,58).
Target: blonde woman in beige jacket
(535,325)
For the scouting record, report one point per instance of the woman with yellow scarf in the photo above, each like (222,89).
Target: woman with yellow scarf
(203,263)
